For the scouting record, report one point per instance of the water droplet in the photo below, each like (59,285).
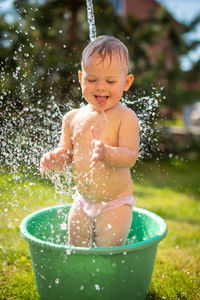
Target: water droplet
(68,251)
(109,226)
(97,287)
(113,265)
(63,226)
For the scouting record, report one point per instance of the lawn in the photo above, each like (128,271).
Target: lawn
(170,188)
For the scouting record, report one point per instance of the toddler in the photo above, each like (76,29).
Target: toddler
(101,141)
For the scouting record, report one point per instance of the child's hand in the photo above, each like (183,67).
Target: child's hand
(53,160)
(98,148)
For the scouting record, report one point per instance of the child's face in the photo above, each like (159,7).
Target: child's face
(103,83)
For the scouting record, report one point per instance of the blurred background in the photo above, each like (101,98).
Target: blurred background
(40,51)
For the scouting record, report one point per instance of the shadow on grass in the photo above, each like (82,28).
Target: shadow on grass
(153,296)
(176,174)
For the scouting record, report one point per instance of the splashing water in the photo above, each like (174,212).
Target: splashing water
(104,116)
(146,108)
(27,133)
(24,138)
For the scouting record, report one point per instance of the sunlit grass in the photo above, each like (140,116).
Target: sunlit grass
(169,188)
(19,196)
(172,189)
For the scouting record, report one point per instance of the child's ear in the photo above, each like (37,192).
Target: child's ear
(129,80)
(80,76)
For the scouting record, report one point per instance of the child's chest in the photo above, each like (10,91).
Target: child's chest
(107,127)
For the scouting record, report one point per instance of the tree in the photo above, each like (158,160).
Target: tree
(43,57)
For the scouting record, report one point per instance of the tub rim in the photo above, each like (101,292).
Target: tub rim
(32,240)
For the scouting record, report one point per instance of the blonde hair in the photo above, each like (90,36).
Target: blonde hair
(104,46)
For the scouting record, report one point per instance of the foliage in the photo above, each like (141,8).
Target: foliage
(40,51)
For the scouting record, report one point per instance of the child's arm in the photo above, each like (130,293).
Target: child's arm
(125,155)
(61,156)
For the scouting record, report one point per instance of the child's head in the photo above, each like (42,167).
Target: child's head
(106,46)
(104,76)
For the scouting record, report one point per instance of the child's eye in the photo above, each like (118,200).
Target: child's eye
(110,82)
(91,80)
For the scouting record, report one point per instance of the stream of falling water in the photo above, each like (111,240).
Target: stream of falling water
(91,20)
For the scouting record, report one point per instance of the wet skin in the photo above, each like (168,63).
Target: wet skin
(101,150)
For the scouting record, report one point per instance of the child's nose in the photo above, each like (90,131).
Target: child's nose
(100,85)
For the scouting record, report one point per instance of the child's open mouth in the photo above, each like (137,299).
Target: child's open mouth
(101,100)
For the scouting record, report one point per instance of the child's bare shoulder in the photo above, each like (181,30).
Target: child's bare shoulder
(69,116)
(127,113)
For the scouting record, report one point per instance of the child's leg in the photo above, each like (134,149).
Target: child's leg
(112,226)
(80,228)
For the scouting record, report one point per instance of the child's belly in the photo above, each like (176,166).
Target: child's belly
(103,183)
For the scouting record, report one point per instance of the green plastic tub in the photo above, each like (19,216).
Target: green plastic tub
(74,273)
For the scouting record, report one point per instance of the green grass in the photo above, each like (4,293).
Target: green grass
(20,195)
(175,122)
(170,188)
